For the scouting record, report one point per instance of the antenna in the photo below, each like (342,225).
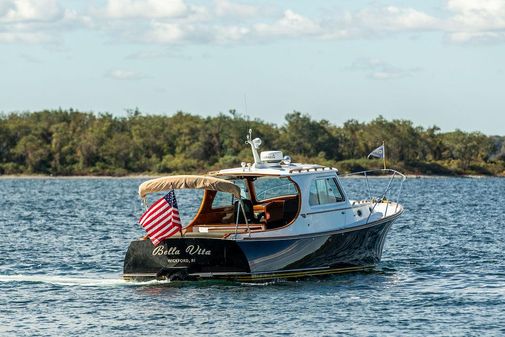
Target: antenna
(245,105)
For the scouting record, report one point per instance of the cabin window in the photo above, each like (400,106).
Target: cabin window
(273,187)
(222,199)
(244,192)
(325,191)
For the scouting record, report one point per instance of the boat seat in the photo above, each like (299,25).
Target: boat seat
(274,214)
(290,209)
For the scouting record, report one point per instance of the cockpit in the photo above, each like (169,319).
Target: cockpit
(266,203)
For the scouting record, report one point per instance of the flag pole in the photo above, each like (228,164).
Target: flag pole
(384,154)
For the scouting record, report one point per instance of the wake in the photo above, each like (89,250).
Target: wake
(76,281)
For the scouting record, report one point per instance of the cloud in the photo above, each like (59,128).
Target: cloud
(290,24)
(29,10)
(365,23)
(379,70)
(193,30)
(229,34)
(482,20)
(175,22)
(161,32)
(178,33)
(477,37)
(34,21)
(125,9)
(396,19)
(124,75)
(480,15)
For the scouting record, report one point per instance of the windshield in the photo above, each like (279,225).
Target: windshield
(273,187)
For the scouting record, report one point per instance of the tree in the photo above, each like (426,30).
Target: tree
(74,142)
(301,135)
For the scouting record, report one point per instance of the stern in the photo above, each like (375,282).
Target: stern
(183,258)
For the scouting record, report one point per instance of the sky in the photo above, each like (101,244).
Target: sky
(432,62)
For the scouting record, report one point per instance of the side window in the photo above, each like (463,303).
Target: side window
(324,191)
(335,190)
(222,199)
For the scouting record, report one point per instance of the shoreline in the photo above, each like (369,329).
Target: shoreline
(150,176)
(41,176)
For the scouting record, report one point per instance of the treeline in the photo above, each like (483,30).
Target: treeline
(69,142)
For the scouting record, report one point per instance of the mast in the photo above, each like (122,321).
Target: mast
(255,145)
(384,154)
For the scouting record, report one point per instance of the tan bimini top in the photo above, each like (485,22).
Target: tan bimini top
(188,182)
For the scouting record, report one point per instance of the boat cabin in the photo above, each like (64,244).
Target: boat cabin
(250,200)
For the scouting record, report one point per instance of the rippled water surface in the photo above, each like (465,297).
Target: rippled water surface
(62,243)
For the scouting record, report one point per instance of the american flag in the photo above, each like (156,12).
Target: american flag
(162,220)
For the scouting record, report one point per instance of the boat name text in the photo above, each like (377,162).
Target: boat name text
(190,250)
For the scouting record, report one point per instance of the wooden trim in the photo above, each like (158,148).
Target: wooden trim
(219,226)
(200,210)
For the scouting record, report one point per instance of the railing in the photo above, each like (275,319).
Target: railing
(385,195)
(241,208)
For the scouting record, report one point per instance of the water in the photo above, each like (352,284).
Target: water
(62,243)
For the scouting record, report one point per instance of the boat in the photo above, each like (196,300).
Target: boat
(267,220)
